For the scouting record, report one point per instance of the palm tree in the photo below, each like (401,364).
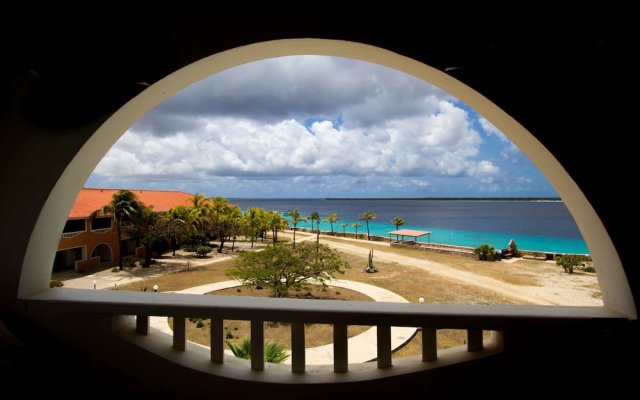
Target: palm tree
(356,226)
(175,220)
(254,217)
(366,217)
(398,221)
(200,211)
(331,218)
(275,222)
(144,229)
(295,218)
(315,217)
(122,208)
(344,229)
(221,213)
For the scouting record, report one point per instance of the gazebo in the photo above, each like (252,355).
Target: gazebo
(409,232)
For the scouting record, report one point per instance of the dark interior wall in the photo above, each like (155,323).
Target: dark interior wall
(565,77)
(562,76)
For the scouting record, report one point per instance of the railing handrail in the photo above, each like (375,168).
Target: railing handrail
(439,316)
(68,235)
(101,230)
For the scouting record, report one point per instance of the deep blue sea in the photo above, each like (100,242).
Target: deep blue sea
(534,225)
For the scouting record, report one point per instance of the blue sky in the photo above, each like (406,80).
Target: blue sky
(315,126)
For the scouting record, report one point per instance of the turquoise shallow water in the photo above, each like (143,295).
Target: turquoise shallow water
(539,226)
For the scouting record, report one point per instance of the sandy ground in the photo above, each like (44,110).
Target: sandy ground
(553,286)
(525,281)
(104,277)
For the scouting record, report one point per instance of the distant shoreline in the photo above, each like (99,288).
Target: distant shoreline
(529,199)
(543,199)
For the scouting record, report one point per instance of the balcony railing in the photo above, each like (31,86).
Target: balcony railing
(101,230)
(68,235)
(340,314)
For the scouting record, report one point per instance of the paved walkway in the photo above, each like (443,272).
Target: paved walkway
(362,348)
(105,279)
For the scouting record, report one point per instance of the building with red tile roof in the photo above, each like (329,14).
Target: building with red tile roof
(87,242)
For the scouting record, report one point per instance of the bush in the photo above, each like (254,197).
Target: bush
(115,269)
(202,251)
(590,268)
(274,352)
(485,252)
(228,334)
(55,283)
(570,261)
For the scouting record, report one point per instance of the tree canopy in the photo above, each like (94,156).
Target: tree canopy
(282,268)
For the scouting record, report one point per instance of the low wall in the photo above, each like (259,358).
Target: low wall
(438,248)
(83,265)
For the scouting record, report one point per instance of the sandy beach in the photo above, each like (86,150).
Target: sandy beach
(551,285)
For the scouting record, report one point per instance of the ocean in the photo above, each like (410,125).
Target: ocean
(545,226)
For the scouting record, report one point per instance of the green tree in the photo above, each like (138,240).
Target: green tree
(122,209)
(200,212)
(176,224)
(145,227)
(282,268)
(569,262)
(253,217)
(485,252)
(356,225)
(398,222)
(366,217)
(315,217)
(331,218)
(295,219)
(344,229)
(275,222)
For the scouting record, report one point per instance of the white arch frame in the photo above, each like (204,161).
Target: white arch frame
(106,244)
(36,267)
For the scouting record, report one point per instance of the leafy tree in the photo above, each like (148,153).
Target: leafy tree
(356,225)
(344,229)
(221,219)
(144,228)
(570,261)
(254,221)
(398,222)
(200,211)
(295,219)
(275,222)
(274,352)
(282,268)
(485,252)
(367,216)
(331,218)
(176,224)
(122,209)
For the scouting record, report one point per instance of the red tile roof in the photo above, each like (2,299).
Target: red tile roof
(89,200)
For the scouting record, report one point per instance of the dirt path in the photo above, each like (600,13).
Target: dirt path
(554,288)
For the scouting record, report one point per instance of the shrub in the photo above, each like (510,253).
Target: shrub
(485,252)
(55,283)
(228,335)
(200,323)
(115,269)
(274,352)
(570,261)
(202,251)
(590,268)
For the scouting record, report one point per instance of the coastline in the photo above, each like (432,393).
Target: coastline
(549,255)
